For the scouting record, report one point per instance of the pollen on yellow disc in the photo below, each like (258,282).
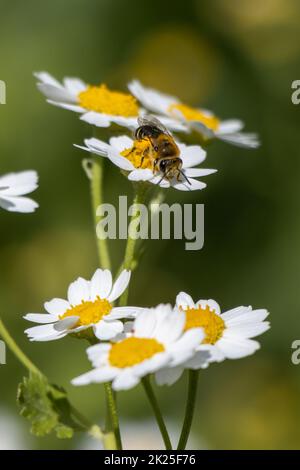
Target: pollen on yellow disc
(192,114)
(207,319)
(132,351)
(141,154)
(89,312)
(102,100)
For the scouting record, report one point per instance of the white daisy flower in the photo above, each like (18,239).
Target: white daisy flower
(199,120)
(157,339)
(227,335)
(132,157)
(89,304)
(14,186)
(98,104)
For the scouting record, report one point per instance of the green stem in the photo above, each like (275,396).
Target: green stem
(128,263)
(10,342)
(157,413)
(189,410)
(112,420)
(97,200)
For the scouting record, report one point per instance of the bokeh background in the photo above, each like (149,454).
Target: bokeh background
(238,58)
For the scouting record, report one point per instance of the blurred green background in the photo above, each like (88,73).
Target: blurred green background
(237,58)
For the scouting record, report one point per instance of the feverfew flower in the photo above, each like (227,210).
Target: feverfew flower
(98,104)
(227,335)
(89,304)
(133,157)
(157,339)
(14,186)
(194,119)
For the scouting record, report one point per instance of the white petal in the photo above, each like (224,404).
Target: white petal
(18,184)
(192,185)
(249,330)
(95,376)
(237,348)
(98,354)
(57,306)
(168,375)
(97,146)
(121,143)
(241,139)
(40,317)
(79,291)
(36,333)
(52,337)
(199,361)
(191,155)
(96,119)
(140,175)
(144,324)
(125,380)
(118,313)
(74,85)
(101,284)
(57,94)
(212,304)
(184,301)
(120,285)
(196,172)
(171,328)
(153,364)
(190,340)
(66,324)
(105,330)
(152,99)
(120,161)
(24,205)
(69,106)
(243,315)
(230,126)
(46,78)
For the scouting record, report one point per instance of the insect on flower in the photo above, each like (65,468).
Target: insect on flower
(164,150)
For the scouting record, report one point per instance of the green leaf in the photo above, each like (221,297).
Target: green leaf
(46,407)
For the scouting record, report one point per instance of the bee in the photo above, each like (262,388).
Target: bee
(167,160)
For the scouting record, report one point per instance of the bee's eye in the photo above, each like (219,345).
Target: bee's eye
(156,148)
(162,165)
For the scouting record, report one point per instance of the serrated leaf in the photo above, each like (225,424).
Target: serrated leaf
(46,407)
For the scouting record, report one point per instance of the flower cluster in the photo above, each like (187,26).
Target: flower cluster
(102,107)
(129,343)
(163,340)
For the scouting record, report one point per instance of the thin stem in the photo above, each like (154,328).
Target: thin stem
(128,262)
(157,413)
(112,421)
(10,342)
(189,410)
(97,200)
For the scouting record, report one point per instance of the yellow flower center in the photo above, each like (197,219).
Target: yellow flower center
(88,312)
(141,154)
(192,114)
(102,100)
(132,351)
(207,319)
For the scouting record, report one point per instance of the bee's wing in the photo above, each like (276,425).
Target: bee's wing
(149,120)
